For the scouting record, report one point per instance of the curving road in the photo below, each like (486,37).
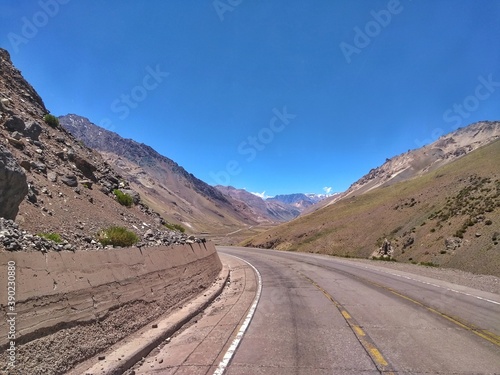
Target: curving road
(324,315)
(288,313)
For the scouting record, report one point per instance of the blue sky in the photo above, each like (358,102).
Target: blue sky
(278,96)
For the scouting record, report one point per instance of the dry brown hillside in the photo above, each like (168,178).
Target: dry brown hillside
(448,217)
(67,188)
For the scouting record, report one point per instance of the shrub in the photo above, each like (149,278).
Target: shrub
(51,120)
(54,237)
(123,198)
(177,227)
(117,236)
(488,222)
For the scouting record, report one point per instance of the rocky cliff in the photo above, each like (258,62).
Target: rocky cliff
(13,184)
(54,183)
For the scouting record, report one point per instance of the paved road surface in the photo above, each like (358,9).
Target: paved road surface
(324,315)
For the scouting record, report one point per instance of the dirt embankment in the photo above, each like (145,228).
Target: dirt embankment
(72,305)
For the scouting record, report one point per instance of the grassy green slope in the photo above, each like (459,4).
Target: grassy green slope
(460,200)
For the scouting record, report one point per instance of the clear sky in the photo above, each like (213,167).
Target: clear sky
(275,96)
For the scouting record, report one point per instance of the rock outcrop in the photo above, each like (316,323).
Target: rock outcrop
(13,185)
(385,251)
(68,186)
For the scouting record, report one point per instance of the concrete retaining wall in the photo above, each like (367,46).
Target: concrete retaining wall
(63,289)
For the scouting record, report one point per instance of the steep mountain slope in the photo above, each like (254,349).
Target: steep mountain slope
(69,186)
(266,211)
(416,162)
(449,216)
(163,184)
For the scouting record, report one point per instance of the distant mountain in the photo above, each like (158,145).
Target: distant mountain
(417,162)
(162,183)
(281,208)
(300,201)
(266,211)
(437,205)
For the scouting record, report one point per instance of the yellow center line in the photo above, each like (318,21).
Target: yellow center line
(485,334)
(358,330)
(365,341)
(345,314)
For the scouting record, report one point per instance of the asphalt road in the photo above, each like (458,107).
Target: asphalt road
(324,315)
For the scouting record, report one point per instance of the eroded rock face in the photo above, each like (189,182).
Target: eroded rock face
(13,185)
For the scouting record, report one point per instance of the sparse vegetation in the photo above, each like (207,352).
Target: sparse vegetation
(428,264)
(117,236)
(51,120)
(176,227)
(54,237)
(123,198)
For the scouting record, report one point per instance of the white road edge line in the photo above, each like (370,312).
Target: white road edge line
(234,345)
(435,285)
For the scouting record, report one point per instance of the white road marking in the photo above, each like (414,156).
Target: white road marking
(434,285)
(234,345)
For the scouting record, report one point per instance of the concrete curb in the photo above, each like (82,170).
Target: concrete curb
(132,351)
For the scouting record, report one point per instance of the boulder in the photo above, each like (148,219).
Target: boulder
(33,130)
(26,164)
(13,185)
(135,195)
(385,251)
(14,123)
(84,166)
(52,176)
(4,105)
(16,143)
(70,180)
(39,166)
(16,135)
(452,243)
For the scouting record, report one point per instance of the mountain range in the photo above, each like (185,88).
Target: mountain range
(438,204)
